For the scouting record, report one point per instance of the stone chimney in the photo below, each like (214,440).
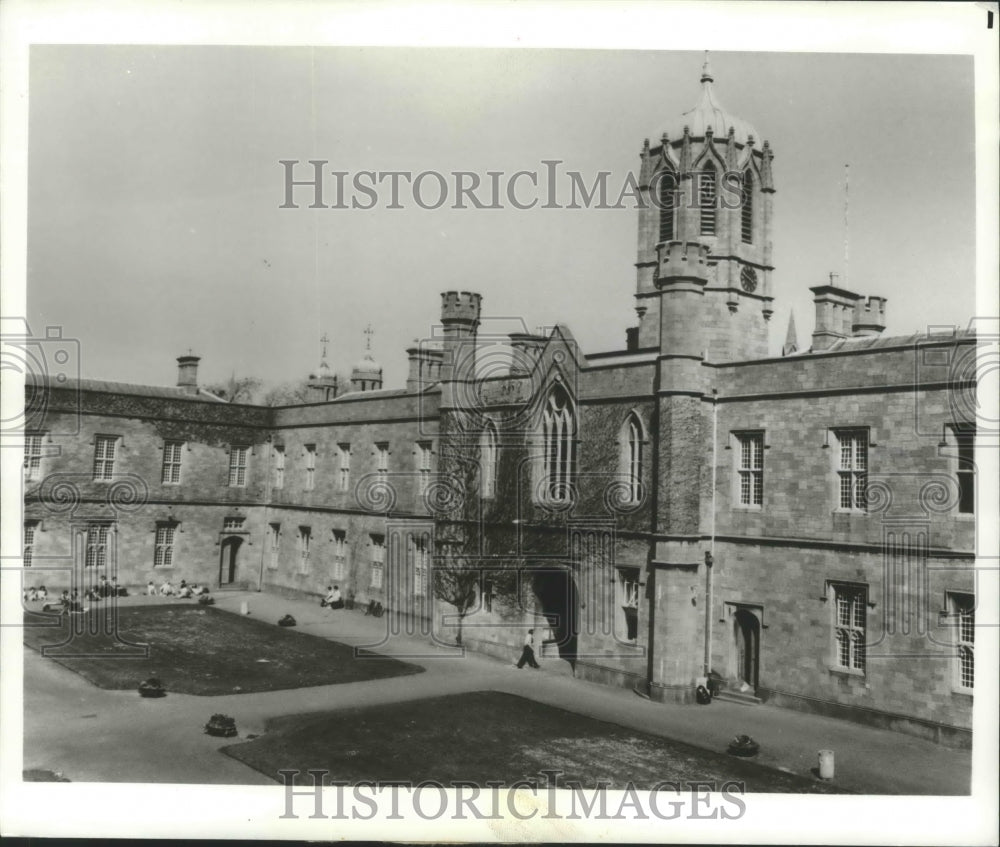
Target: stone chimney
(834,315)
(425,366)
(869,316)
(187,373)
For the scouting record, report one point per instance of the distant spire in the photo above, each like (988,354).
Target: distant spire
(791,340)
(369,332)
(706,70)
(323,366)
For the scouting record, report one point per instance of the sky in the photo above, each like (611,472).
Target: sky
(154,188)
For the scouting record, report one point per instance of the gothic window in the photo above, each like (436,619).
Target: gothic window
(965,438)
(708,198)
(310,458)
(305,541)
(30,530)
(238,465)
(339,553)
(849,625)
(558,446)
(421,567)
(273,539)
(666,188)
(488,457)
(963,614)
(105,447)
(163,554)
(171,472)
(750,468)
(628,599)
(279,466)
(32,456)
(631,457)
(746,212)
(424,454)
(382,466)
(852,471)
(378,560)
(344,471)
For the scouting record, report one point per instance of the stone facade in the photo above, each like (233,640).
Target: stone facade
(800,528)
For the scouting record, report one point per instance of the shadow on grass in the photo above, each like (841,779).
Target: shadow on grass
(489,735)
(207,651)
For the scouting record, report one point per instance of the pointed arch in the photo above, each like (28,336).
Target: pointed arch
(489,455)
(558,445)
(666,194)
(632,463)
(708,189)
(746,209)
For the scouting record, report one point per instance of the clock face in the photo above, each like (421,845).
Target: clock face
(748,279)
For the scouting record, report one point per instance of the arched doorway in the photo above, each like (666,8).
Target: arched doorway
(228,559)
(556,593)
(746,632)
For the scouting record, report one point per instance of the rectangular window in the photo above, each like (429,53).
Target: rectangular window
(104,456)
(421,567)
(751,468)
(339,553)
(707,199)
(273,538)
(963,611)
(488,595)
(852,470)
(310,467)
(424,465)
(163,557)
(171,473)
(850,604)
(305,539)
(378,560)
(965,439)
(344,467)
(382,465)
(30,529)
(279,466)
(96,555)
(33,456)
(238,465)
(232,524)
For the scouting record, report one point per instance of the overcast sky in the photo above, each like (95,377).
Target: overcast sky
(154,187)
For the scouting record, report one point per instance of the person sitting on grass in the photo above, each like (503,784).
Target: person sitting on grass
(30,594)
(150,589)
(333,598)
(43,593)
(167,590)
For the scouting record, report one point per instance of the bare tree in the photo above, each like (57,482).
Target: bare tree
(236,389)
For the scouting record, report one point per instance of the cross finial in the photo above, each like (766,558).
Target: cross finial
(833,278)
(324,340)
(369,332)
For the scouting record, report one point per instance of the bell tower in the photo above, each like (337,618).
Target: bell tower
(708,182)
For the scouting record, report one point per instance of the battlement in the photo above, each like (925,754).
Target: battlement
(460,307)
(682,260)
(869,316)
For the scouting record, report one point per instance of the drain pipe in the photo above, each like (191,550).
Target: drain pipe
(710,553)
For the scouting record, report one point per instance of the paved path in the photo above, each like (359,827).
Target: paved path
(90,734)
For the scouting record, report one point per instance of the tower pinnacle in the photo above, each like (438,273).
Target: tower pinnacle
(706,70)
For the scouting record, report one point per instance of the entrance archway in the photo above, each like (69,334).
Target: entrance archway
(746,632)
(228,559)
(557,595)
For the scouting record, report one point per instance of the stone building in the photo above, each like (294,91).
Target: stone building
(798,529)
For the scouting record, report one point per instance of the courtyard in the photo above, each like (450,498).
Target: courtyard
(414,713)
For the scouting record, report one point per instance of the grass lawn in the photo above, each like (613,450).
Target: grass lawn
(488,735)
(204,650)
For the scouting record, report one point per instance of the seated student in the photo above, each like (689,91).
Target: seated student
(167,590)
(150,589)
(334,600)
(92,593)
(328,598)
(193,590)
(184,591)
(104,589)
(43,593)
(30,593)
(64,597)
(116,589)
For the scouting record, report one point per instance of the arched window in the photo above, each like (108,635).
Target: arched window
(666,187)
(707,197)
(631,457)
(558,447)
(746,213)
(488,459)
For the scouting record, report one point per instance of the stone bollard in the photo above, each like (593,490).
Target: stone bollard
(245,608)
(826,764)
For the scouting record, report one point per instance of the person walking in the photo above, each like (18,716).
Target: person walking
(528,653)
